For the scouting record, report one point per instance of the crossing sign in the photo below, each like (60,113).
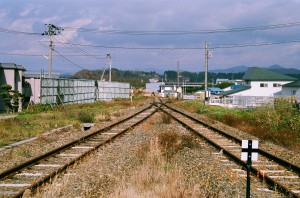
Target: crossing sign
(249,154)
(250,150)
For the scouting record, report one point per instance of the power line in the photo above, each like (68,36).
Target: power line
(77,49)
(167,32)
(68,60)
(215,46)
(175,32)
(4,30)
(40,55)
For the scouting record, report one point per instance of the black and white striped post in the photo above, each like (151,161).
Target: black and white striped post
(249,153)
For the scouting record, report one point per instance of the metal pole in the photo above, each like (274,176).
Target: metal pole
(249,168)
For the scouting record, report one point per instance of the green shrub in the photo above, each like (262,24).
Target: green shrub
(86,116)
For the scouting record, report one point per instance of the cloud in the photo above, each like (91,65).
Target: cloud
(155,15)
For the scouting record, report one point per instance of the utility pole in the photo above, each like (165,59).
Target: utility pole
(52,30)
(206,66)
(177,74)
(177,79)
(109,56)
(207,56)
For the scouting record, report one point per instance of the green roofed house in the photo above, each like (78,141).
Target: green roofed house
(261,86)
(261,82)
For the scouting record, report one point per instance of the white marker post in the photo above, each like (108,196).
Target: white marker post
(249,153)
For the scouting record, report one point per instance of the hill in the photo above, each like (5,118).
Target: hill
(140,78)
(242,68)
(135,78)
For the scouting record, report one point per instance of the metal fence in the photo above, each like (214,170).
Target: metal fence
(110,90)
(68,91)
(241,101)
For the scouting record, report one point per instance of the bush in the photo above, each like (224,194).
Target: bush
(86,116)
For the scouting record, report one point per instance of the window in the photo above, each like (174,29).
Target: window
(263,84)
(276,85)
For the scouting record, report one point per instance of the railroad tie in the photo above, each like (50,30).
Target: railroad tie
(30,174)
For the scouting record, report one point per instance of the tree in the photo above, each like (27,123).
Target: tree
(10,98)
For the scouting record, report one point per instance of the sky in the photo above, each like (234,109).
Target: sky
(150,35)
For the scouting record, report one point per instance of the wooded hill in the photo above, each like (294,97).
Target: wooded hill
(140,78)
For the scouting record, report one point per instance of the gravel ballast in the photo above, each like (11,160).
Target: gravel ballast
(134,166)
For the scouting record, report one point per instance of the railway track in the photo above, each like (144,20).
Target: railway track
(33,173)
(279,174)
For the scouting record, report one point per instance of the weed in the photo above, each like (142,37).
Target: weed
(170,143)
(85,116)
(24,153)
(166,119)
(278,123)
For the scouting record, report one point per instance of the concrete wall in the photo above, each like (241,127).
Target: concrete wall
(31,89)
(12,77)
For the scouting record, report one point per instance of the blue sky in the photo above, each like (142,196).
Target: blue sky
(143,35)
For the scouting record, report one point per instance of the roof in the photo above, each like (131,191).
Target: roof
(226,93)
(292,84)
(215,89)
(259,74)
(11,66)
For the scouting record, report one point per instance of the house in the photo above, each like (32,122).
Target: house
(11,74)
(291,90)
(215,90)
(260,82)
(169,90)
(261,86)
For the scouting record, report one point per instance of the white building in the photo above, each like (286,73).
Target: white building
(261,86)
(261,82)
(291,90)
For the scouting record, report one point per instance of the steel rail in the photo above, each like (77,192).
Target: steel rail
(280,161)
(10,172)
(277,185)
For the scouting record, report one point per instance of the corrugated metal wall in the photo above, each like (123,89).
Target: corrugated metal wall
(68,91)
(110,90)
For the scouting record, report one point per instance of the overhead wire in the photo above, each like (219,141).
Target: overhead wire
(68,60)
(76,49)
(166,32)
(186,32)
(215,46)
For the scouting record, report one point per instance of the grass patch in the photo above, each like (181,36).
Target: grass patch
(41,118)
(279,124)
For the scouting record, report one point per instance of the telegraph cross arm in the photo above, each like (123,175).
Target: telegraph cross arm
(249,150)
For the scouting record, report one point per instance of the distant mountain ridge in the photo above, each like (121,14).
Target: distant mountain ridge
(242,68)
